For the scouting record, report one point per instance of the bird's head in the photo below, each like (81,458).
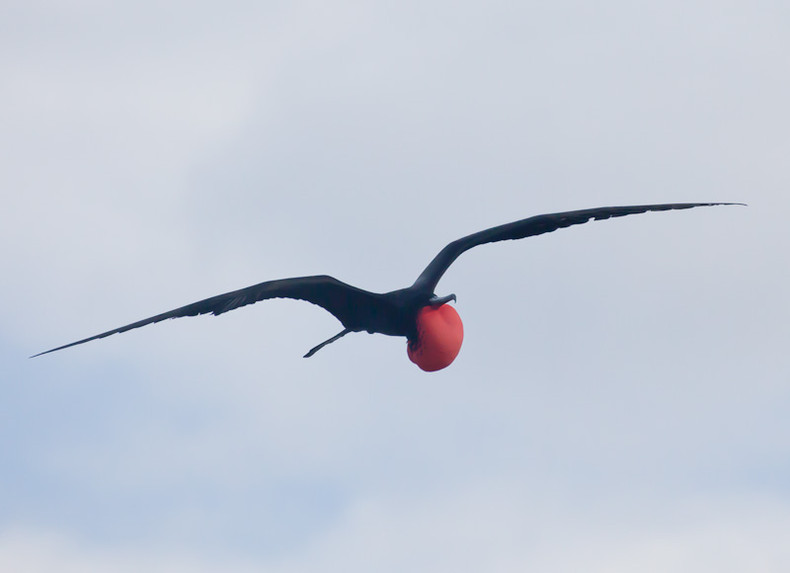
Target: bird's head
(440,333)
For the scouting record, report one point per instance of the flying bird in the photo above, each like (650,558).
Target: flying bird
(432,327)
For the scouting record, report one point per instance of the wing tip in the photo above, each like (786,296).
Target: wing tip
(43,353)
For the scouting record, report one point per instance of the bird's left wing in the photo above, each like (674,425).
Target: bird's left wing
(530,227)
(348,304)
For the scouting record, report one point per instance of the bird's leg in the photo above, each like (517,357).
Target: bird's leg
(439,301)
(325,342)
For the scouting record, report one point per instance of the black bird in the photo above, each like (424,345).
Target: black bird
(432,327)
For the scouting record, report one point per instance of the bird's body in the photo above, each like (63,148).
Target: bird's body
(434,338)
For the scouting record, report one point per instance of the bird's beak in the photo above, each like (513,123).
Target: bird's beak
(439,301)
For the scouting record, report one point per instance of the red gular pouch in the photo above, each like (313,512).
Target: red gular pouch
(440,333)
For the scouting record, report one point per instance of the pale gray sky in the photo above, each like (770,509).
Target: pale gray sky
(621,399)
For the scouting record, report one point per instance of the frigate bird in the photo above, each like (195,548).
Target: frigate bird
(432,327)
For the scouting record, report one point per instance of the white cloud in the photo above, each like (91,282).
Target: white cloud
(156,154)
(495,526)
(25,550)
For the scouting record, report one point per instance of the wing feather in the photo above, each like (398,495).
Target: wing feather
(348,304)
(530,227)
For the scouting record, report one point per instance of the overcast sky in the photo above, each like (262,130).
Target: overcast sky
(622,398)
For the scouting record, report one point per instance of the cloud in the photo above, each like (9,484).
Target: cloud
(34,551)
(500,527)
(619,399)
(494,526)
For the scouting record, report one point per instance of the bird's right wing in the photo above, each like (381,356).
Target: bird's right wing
(348,304)
(530,227)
